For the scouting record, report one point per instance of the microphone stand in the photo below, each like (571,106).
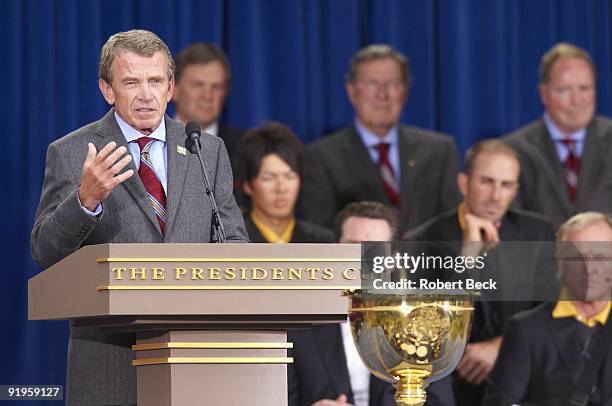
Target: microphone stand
(217,232)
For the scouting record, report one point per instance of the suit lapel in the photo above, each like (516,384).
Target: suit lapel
(550,164)
(329,343)
(595,148)
(177,169)
(362,168)
(408,154)
(452,228)
(252,230)
(109,130)
(298,233)
(508,230)
(606,377)
(377,387)
(563,332)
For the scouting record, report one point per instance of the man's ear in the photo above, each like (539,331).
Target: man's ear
(350,91)
(107,91)
(246,188)
(170,89)
(544,95)
(462,183)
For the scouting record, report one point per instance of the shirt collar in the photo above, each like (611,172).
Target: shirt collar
(566,308)
(461,215)
(212,129)
(557,135)
(270,235)
(132,134)
(371,140)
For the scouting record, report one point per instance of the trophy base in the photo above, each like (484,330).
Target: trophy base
(410,386)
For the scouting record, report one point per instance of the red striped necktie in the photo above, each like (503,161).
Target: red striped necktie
(572,167)
(151,182)
(386,174)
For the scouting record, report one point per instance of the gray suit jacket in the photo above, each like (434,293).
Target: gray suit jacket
(99,361)
(338,170)
(543,187)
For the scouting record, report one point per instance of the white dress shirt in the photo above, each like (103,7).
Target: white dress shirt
(359,375)
(158,151)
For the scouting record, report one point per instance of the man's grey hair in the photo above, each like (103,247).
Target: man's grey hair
(562,50)
(580,221)
(377,52)
(569,253)
(141,42)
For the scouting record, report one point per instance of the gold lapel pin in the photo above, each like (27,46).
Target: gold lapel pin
(181,150)
(411,163)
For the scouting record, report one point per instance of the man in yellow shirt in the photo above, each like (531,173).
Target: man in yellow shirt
(270,169)
(546,350)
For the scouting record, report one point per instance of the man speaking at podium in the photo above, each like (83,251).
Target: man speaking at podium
(127,178)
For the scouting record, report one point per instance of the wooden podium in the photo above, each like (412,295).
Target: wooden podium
(212,315)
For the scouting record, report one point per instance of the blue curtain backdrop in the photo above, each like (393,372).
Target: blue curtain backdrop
(474,64)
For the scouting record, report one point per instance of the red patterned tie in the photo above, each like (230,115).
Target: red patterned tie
(572,167)
(386,173)
(151,182)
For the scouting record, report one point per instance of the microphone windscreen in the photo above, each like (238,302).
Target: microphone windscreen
(191,128)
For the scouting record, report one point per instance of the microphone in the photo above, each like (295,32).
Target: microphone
(194,145)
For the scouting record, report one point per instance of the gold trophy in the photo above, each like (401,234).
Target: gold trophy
(410,340)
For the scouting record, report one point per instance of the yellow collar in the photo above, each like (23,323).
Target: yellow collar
(270,235)
(565,308)
(461,216)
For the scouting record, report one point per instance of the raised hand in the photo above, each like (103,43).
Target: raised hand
(101,173)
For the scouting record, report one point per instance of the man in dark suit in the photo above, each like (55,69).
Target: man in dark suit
(567,154)
(488,184)
(376,158)
(126,178)
(203,80)
(327,370)
(270,170)
(546,350)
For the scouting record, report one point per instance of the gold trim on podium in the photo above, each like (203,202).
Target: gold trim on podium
(209,345)
(213,360)
(105,260)
(221,287)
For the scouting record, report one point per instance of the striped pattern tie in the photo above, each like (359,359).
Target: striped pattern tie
(572,167)
(386,173)
(151,182)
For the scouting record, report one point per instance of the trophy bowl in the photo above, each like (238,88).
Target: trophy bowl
(410,340)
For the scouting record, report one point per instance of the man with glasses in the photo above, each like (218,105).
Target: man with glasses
(376,158)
